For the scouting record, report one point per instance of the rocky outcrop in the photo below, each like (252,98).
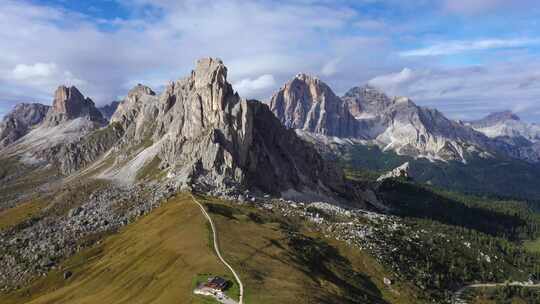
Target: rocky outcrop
(20,121)
(308,104)
(69,104)
(204,135)
(418,131)
(399,172)
(73,156)
(68,120)
(108,110)
(366,102)
(364,113)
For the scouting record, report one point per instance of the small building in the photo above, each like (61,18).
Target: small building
(216,283)
(213,287)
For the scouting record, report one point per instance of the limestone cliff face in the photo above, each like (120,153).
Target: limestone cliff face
(68,120)
(366,102)
(417,131)
(308,104)
(69,104)
(204,135)
(20,121)
(108,110)
(366,114)
(400,125)
(507,127)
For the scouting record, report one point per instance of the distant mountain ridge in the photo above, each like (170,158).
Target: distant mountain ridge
(70,118)
(507,123)
(395,124)
(20,121)
(108,110)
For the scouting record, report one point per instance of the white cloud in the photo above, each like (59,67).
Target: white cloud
(456,47)
(252,37)
(37,70)
(250,88)
(393,80)
(331,67)
(162,39)
(470,92)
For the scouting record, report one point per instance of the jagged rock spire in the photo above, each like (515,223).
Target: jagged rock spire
(69,104)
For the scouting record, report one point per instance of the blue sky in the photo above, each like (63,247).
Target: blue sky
(464,57)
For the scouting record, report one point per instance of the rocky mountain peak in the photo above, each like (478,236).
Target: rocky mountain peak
(67,100)
(495,118)
(69,104)
(362,90)
(210,71)
(20,121)
(204,135)
(306,77)
(309,104)
(140,89)
(108,110)
(366,101)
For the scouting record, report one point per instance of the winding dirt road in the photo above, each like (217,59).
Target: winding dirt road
(216,248)
(458,295)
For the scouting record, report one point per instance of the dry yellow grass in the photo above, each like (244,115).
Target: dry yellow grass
(13,216)
(272,272)
(157,258)
(153,260)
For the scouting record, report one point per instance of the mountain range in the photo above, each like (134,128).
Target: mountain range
(327,199)
(198,131)
(397,124)
(235,138)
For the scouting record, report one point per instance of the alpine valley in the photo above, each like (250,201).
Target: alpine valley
(196,195)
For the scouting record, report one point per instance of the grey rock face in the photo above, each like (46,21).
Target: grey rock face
(308,104)
(401,171)
(72,156)
(365,113)
(506,124)
(366,102)
(204,135)
(107,111)
(70,104)
(20,121)
(67,122)
(495,118)
(520,138)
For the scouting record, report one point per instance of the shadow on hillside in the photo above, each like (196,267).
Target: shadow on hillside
(222,210)
(409,200)
(322,262)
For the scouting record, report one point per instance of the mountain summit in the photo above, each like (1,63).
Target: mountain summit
(203,134)
(20,121)
(309,104)
(69,104)
(495,118)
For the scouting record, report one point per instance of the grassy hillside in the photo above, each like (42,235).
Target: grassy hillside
(281,261)
(158,258)
(151,261)
(533,245)
(16,215)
